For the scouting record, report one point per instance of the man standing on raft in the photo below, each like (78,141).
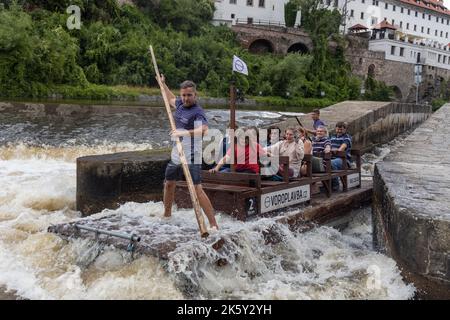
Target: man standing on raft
(191,124)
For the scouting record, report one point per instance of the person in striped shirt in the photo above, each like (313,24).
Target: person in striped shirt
(321,144)
(341,141)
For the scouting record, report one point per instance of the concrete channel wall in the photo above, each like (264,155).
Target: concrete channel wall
(411,206)
(107,181)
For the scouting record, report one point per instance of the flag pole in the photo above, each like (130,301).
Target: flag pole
(233,119)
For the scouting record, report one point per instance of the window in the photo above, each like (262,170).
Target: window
(250,3)
(417,14)
(393,21)
(428,30)
(422,29)
(393,50)
(429,17)
(439,58)
(435,32)
(386,6)
(407,26)
(409,12)
(423,15)
(445,59)
(415,28)
(401,24)
(262,3)
(362,15)
(363,1)
(401,10)
(437,19)
(442,34)
(232,1)
(336,3)
(374,20)
(393,8)
(402,52)
(446,35)
(352,13)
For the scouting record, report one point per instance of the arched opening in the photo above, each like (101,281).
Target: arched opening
(398,96)
(371,71)
(261,46)
(298,48)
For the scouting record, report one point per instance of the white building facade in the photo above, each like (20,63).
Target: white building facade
(253,11)
(423,19)
(422,28)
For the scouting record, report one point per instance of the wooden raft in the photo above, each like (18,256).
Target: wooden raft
(246,196)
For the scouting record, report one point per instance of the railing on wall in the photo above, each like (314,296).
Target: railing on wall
(260,22)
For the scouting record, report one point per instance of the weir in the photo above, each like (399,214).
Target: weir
(107,181)
(411,206)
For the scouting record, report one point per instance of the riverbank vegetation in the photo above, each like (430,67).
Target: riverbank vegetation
(107,58)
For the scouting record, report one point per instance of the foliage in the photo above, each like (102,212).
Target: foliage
(40,57)
(377,91)
(290,13)
(438,103)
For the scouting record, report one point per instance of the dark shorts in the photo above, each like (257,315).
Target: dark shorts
(174,172)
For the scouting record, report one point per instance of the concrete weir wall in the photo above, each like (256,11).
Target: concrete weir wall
(411,206)
(107,181)
(110,180)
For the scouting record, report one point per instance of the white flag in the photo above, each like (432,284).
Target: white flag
(239,66)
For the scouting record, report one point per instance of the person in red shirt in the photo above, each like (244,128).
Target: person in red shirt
(247,151)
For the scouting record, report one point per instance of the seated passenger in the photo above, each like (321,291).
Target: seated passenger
(246,151)
(303,136)
(321,144)
(289,148)
(273,135)
(307,147)
(341,141)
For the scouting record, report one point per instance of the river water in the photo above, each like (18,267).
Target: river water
(38,185)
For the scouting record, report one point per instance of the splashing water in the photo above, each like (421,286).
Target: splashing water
(38,185)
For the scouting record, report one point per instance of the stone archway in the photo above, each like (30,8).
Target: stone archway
(261,46)
(371,71)
(398,95)
(298,48)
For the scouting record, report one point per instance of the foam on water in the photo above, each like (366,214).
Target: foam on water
(38,189)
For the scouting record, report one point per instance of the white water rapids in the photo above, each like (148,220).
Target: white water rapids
(38,185)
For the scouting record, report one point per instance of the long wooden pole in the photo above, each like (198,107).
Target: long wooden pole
(187,173)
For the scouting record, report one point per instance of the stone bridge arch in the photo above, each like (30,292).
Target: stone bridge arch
(398,95)
(281,39)
(298,47)
(261,46)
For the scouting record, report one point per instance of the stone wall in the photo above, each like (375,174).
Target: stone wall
(107,181)
(411,208)
(395,74)
(280,38)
